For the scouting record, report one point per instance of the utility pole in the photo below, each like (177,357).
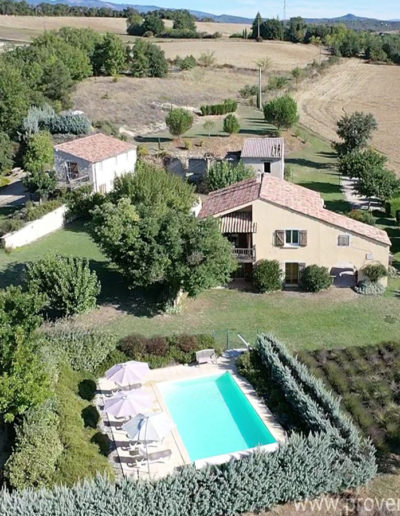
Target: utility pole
(258,28)
(259,89)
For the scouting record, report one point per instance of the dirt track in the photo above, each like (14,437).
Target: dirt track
(351,86)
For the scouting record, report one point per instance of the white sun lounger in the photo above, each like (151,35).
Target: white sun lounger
(206,356)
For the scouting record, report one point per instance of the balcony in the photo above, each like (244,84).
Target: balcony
(245,255)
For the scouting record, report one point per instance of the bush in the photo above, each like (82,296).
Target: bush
(84,350)
(277,82)
(374,272)
(281,112)
(267,276)
(362,216)
(186,63)
(37,448)
(370,288)
(133,346)
(231,124)
(222,174)
(82,201)
(179,121)
(157,346)
(228,106)
(248,91)
(69,284)
(36,211)
(69,123)
(6,153)
(207,59)
(187,343)
(10,225)
(392,207)
(315,278)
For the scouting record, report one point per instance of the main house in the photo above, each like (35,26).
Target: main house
(265,155)
(96,159)
(269,218)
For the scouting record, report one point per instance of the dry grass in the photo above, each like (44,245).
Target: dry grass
(136,103)
(350,86)
(244,54)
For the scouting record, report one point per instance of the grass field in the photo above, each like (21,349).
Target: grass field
(354,85)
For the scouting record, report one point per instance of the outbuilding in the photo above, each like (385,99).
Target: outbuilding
(96,159)
(265,156)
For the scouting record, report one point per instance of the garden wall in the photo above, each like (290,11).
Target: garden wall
(36,229)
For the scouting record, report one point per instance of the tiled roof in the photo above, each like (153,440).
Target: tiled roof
(238,222)
(263,148)
(290,196)
(95,147)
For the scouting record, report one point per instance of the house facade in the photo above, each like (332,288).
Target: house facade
(269,218)
(265,156)
(96,159)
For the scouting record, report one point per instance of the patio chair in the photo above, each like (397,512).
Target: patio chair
(142,459)
(206,356)
(111,392)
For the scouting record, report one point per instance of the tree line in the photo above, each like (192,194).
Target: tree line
(341,41)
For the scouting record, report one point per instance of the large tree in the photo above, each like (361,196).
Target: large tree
(171,249)
(14,98)
(357,163)
(183,20)
(109,55)
(380,183)
(281,112)
(6,153)
(355,131)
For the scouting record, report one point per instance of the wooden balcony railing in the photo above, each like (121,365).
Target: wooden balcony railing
(245,254)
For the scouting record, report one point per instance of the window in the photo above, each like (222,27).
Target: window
(292,237)
(72,170)
(343,240)
(267,167)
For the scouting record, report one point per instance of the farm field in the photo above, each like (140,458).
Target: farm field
(350,86)
(24,28)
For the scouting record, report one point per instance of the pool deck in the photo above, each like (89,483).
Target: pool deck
(121,457)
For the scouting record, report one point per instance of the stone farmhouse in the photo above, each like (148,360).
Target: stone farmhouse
(265,155)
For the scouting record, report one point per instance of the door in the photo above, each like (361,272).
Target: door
(291,273)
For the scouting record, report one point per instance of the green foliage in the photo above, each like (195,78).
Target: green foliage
(39,155)
(315,278)
(392,206)
(153,23)
(10,225)
(161,352)
(109,55)
(41,183)
(37,448)
(146,59)
(355,131)
(357,163)
(380,183)
(82,201)
(83,350)
(362,216)
(369,288)
(69,123)
(155,189)
(185,63)
(68,283)
(231,124)
(228,106)
(277,82)
(6,154)
(183,20)
(14,98)
(281,112)
(34,212)
(179,121)
(267,276)
(374,272)
(223,173)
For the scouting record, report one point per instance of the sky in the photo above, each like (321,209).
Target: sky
(382,9)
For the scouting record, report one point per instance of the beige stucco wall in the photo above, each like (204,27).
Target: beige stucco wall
(277,166)
(322,240)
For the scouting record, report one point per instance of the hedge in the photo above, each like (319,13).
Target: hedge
(331,458)
(228,106)
(392,207)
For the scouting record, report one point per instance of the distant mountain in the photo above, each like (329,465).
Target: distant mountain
(357,22)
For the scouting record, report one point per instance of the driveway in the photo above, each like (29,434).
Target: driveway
(13,194)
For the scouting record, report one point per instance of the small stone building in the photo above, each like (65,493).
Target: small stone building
(265,156)
(96,159)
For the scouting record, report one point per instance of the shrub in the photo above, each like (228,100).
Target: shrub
(10,225)
(157,346)
(370,288)
(84,350)
(222,174)
(231,124)
(69,284)
(179,121)
(207,59)
(277,82)
(186,63)
(6,153)
(248,91)
(267,276)
(228,106)
(281,112)
(37,448)
(362,216)
(34,212)
(133,345)
(187,343)
(82,201)
(315,278)
(69,123)
(374,272)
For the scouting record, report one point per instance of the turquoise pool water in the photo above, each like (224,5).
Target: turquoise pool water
(213,416)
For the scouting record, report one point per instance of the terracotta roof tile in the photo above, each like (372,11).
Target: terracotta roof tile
(95,147)
(263,148)
(290,196)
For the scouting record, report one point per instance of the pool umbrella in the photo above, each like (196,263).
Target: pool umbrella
(153,427)
(126,404)
(128,373)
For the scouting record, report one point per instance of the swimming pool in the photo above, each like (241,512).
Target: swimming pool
(213,416)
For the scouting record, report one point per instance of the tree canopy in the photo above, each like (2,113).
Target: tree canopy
(281,112)
(223,174)
(179,121)
(355,131)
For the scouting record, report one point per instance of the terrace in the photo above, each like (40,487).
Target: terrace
(123,455)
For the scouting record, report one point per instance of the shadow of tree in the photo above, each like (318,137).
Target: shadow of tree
(13,274)
(301,162)
(152,139)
